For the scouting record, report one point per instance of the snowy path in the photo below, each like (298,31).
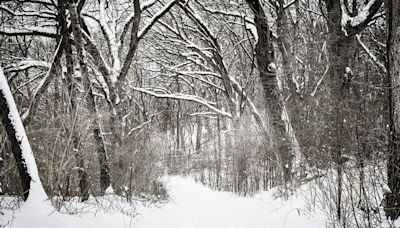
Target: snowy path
(191,205)
(194,205)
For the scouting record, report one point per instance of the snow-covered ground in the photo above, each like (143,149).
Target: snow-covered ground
(190,205)
(194,205)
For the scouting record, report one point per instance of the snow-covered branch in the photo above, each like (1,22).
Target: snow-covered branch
(25,65)
(155,18)
(374,59)
(43,85)
(129,19)
(186,97)
(111,38)
(354,24)
(41,14)
(32,31)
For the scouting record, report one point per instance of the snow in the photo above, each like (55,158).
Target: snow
(386,189)
(348,70)
(186,97)
(147,4)
(26,64)
(37,217)
(375,59)
(42,82)
(111,37)
(345,17)
(360,18)
(155,17)
(45,14)
(194,205)
(253,31)
(363,15)
(191,205)
(109,190)
(50,31)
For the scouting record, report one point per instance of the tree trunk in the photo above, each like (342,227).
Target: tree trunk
(80,162)
(105,180)
(218,154)
(291,116)
(339,54)
(15,147)
(20,147)
(340,39)
(199,133)
(274,102)
(392,207)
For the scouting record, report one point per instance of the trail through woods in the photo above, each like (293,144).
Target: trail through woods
(191,205)
(194,205)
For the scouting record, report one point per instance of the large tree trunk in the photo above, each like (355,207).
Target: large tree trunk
(80,160)
(274,102)
(291,115)
(105,180)
(20,147)
(392,208)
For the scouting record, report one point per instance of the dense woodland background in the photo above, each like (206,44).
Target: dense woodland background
(243,95)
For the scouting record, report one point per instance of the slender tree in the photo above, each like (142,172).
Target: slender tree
(392,208)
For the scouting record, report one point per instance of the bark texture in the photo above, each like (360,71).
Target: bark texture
(265,60)
(69,57)
(392,207)
(15,146)
(105,180)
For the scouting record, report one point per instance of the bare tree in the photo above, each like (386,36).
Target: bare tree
(274,101)
(105,180)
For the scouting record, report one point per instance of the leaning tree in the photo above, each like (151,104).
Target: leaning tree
(31,185)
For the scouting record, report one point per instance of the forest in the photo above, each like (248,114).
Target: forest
(126,102)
